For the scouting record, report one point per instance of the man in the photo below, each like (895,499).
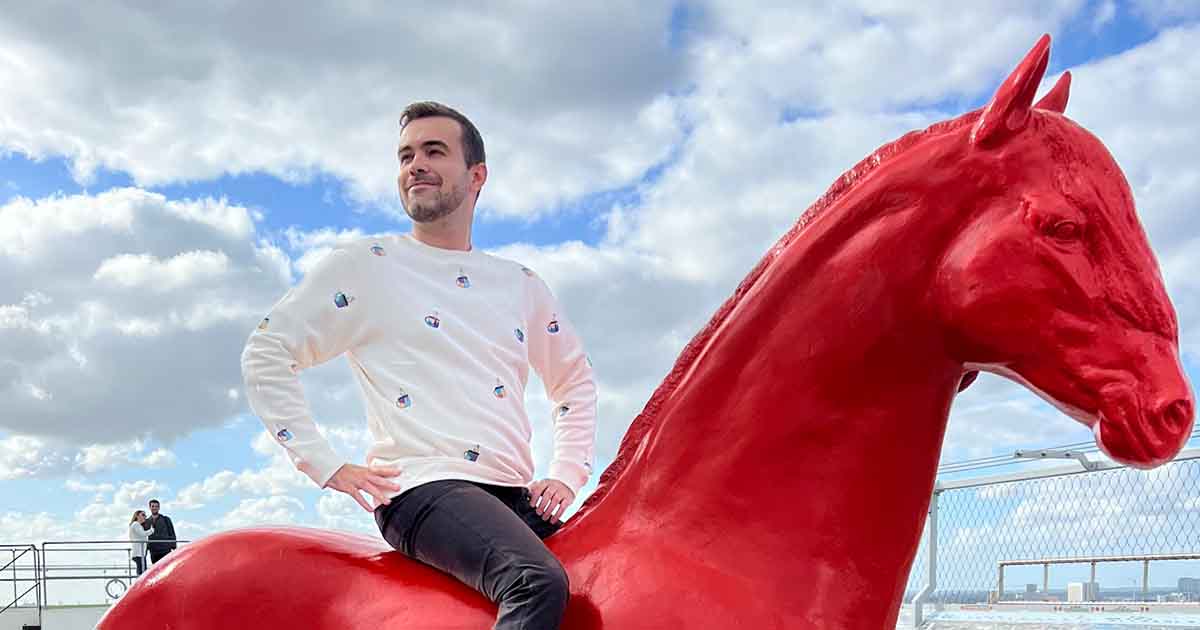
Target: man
(440,337)
(164,531)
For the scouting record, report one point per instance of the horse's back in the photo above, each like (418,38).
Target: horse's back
(296,578)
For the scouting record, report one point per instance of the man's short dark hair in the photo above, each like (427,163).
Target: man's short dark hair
(472,142)
(154,501)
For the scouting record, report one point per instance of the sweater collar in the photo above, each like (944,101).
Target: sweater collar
(438,252)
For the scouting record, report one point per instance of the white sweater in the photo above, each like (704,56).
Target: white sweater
(138,537)
(440,342)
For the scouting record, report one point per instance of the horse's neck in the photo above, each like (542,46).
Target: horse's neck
(813,419)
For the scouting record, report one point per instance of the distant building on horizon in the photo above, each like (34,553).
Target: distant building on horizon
(1083,591)
(1189,588)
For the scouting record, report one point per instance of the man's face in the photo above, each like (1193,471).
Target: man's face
(434,179)
(154,509)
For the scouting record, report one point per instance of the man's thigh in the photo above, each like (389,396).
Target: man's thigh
(463,530)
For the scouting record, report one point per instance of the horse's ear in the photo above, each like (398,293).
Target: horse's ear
(1056,99)
(1008,110)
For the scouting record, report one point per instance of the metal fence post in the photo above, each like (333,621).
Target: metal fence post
(931,543)
(1091,585)
(1145,580)
(1000,585)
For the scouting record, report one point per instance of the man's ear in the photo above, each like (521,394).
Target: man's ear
(479,175)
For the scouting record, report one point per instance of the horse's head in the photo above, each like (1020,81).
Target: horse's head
(1050,279)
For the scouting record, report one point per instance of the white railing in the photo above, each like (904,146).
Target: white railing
(33,570)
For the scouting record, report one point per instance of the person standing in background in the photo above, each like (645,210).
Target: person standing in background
(162,530)
(138,536)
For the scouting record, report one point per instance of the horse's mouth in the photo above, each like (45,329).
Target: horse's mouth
(1141,438)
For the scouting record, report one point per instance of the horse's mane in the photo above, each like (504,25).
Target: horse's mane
(842,185)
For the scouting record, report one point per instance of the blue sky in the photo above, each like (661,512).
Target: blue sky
(608,137)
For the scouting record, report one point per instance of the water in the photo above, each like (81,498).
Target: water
(1038,620)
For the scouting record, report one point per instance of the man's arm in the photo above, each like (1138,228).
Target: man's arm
(317,320)
(556,353)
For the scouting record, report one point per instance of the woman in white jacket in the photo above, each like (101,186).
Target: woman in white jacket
(138,536)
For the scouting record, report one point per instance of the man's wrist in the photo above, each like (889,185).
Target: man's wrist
(570,474)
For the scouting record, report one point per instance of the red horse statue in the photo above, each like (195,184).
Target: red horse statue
(780,475)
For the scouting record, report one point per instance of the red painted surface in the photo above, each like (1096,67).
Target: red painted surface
(780,476)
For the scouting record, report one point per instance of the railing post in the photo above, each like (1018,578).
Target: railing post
(38,561)
(42,576)
(1045,579)
(1092,585)
(1000,585)
(1145,580)
(931,542)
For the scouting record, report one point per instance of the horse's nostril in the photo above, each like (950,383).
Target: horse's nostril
(1176,417)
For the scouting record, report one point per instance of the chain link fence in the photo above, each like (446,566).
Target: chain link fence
(1115,512)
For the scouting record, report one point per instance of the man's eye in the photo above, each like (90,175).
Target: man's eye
(405,158)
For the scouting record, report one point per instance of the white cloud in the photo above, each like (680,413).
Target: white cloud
(24,456)
(198,494)
(160,458)
(102,457)
(111,280)
(75,485)
(557,125)
(1105,13)
(21,528)
(997,414)
(144,271)
(276,510)
(105,517)
(113,517)
(338,511)
(1160,12)
(275,477)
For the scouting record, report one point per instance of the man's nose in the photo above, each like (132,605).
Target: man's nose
(417,164)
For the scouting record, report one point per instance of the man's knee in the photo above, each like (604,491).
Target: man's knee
(553,582)
(546,580)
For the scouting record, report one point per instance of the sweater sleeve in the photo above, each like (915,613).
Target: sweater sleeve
(314,322)
(557,355)
(137,534)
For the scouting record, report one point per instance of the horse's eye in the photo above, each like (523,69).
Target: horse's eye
(1065,230)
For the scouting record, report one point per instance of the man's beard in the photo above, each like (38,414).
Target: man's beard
(439,206)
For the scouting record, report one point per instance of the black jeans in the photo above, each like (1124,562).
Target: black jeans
(141,564)
(490,538)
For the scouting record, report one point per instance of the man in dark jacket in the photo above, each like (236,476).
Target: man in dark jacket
(164,530)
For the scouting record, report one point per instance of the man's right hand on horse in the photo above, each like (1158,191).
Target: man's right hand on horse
(352,479)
